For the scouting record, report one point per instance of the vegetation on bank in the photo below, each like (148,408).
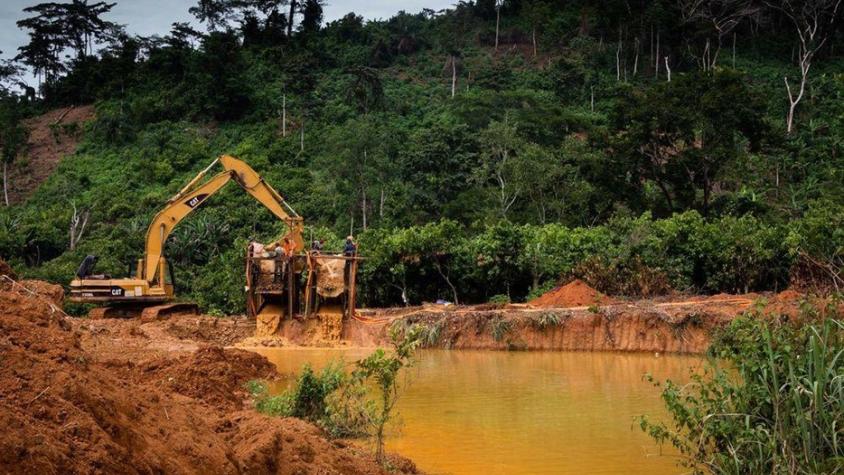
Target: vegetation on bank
(347,404)
(486,150)
(769,400)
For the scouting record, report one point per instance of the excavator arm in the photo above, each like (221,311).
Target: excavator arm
(193,195)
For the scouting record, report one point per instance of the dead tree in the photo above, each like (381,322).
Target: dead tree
(668,69)
(813,22)
(723,16)
(78,221)
(497,21)
(452,66)
(618,58)
(5,183)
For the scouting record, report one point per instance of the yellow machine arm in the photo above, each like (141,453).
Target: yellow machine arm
(191,196)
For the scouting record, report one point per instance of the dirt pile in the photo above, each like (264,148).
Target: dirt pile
(65,412)
(210,374)
(6,269)
(219,331)
(52,292)
(574,294)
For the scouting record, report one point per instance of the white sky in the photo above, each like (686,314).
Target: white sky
(148,17)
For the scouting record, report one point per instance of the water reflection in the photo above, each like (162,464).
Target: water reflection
(523,412)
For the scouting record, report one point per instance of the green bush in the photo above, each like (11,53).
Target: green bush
(769,400)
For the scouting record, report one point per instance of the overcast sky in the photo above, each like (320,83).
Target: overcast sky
(147,17)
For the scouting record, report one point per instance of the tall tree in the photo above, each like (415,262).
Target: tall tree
(311,16)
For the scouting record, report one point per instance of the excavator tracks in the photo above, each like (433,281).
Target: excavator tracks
(145,313)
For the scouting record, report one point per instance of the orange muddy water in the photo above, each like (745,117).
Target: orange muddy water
(484,412)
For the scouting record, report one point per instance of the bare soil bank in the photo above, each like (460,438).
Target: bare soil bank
(122,397)
(683,325)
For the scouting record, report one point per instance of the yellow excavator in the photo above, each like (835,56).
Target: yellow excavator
(152,287)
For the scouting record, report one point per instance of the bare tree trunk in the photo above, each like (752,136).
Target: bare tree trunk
(534,41)
(77,226)
(284,115)
(636,57)
(302,137)
(792,102)
(381,204)
(668,69)
(290,18)
(734,50)
(497,22)
(363,209)
(651,46)
(453,76)
(5,184)
(656,66)
(447,281)
(592,98)
(618,59)
(363,189)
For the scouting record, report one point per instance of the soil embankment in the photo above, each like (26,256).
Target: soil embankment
(569,318)
(72,402)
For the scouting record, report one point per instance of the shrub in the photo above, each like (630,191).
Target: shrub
(500,328)
(769,400)
(546,320)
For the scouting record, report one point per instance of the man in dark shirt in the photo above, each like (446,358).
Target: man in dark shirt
(350,249)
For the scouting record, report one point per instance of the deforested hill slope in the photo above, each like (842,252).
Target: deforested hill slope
(52,137)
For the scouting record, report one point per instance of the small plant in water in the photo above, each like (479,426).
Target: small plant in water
(383,368)
(342,403)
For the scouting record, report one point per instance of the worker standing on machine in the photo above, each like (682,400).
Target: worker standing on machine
(350,249)
(316,246)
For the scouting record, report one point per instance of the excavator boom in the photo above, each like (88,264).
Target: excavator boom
(191,196)
(150,283)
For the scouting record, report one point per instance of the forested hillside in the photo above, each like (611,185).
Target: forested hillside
(482,151)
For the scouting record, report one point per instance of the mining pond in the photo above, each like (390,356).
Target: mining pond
(485,412)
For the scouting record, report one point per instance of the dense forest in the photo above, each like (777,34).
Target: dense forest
(481,152)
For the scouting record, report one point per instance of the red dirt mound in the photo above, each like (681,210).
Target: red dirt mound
(63,412)
(574,294)
(52,292)
(210,374)
(260,440)
(6,269)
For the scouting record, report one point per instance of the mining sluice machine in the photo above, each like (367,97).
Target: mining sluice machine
(280,286)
